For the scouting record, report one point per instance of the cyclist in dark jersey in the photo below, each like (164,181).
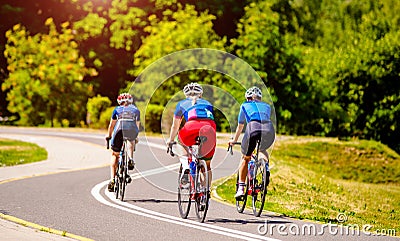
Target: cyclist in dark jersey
(125,122)
(257,115)
(199,116)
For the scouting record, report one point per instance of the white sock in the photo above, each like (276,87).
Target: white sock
(241,186)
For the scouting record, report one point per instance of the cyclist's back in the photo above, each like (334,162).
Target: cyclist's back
(126,117)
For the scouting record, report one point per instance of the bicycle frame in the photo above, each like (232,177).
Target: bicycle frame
(256,186)
(198,189)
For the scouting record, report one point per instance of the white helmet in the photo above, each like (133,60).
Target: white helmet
(124,97)
(192,89)
(253,91)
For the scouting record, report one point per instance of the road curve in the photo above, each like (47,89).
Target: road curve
(68,193)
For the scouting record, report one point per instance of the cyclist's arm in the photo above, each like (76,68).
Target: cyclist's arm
(111,127)
(138,124)
(239,130)
(176,123)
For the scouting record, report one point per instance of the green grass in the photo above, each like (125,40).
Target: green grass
(318,178)
(14,152)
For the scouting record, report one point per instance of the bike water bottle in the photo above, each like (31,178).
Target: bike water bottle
(251,168)
(192,166)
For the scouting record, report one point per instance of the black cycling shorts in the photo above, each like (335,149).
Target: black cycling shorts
(127,129)
(265,132)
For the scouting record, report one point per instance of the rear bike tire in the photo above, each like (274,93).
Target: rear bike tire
(261,179)
(184,199)
(241,202)
(202,188)
(123,183)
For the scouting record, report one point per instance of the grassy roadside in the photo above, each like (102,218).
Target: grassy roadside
(319,178)
(13,152)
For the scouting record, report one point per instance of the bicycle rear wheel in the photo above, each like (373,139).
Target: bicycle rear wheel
(202,190)
(124,174)
(183,195)
(260,186)
(241,202)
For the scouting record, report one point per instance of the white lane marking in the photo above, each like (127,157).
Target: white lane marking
(167,218)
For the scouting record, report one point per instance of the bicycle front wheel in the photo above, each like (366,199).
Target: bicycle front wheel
(241,202)
(202,190)
(183,194)
(261,178)
(116,183)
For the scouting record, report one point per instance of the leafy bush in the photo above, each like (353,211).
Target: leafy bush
(95,107)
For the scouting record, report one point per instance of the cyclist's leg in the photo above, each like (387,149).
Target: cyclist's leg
(182,151)
(248,145)
(208,129)
(116,144)
(267,139)
(186,138)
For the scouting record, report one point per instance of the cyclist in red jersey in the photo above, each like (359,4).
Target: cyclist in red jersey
(199,116)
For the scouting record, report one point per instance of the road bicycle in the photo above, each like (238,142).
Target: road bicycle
(121,175)
(198,186)
(257,180)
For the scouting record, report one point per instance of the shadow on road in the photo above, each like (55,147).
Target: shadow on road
(151,200)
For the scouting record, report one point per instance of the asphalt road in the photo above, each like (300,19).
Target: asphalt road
(77,201)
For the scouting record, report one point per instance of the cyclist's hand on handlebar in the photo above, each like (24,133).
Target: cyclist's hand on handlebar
(230,146)
(231,143)
(169,147)
(108,141)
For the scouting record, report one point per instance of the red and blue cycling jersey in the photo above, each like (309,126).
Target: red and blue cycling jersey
(254,111)
(202,109)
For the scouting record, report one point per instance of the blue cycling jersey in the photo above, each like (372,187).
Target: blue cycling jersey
(129,112)
(254,111)
(202,109)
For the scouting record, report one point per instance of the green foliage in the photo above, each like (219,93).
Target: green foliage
(362,161)
(14,152)
(105,118)
(127,23)
(95,107)
(90,27)
(277,60)
(153,118)
(177,30)
(46,75)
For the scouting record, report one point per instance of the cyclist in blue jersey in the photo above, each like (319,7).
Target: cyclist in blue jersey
(125,122)
(199,116)
(257,115)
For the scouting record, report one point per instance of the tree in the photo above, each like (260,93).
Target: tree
(46,76)
(95,107)
(177,30)
(275,57)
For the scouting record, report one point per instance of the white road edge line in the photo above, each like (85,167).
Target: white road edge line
(161,216)
(167,218)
